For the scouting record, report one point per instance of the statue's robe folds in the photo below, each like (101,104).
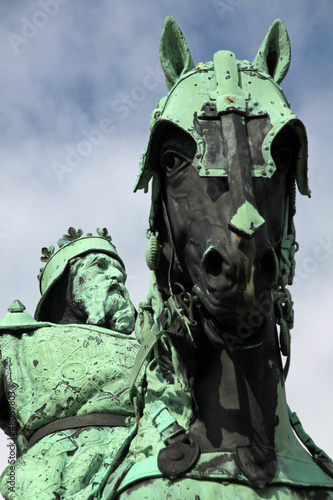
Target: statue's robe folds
(54,372)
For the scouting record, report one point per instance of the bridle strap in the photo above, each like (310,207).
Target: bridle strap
(170,313)
(282,297)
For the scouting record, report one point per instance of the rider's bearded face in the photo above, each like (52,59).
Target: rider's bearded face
(99,290)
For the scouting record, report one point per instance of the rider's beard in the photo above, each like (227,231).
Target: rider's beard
(107,306)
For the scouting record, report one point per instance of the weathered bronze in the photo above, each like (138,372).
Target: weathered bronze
(224,153)
(211,418)
(65,397)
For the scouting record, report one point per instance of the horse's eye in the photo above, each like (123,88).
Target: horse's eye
(170,161)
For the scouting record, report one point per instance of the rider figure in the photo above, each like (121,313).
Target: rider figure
(65,374)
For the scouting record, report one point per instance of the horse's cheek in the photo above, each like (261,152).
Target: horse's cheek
(270,198)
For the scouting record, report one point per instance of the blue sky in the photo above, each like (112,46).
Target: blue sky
(78,83)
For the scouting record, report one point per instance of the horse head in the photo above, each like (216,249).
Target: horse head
(224,153)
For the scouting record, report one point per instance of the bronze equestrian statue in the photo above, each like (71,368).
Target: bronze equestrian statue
(207,386)
(224,158)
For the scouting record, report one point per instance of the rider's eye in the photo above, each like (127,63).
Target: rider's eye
(100,264)
(171,161)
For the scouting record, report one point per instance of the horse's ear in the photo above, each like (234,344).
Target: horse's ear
(175,55)
(274,53)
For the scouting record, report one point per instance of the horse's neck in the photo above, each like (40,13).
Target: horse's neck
(237,396)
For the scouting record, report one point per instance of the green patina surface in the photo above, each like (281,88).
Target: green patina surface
(56,372)
(53,371)
(49,372)
(213,90)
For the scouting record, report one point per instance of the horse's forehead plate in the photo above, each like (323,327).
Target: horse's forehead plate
(199,99)
(210,160)
(231,103)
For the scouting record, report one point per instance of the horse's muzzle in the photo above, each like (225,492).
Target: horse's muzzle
(230,286)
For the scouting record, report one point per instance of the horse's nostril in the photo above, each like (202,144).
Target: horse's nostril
(212,263)
(269,267)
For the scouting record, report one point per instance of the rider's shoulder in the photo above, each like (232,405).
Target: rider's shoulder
(17,319)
